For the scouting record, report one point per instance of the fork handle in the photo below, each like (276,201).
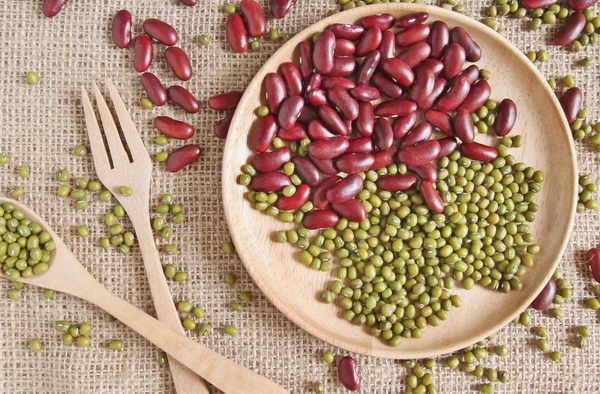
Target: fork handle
(186,381)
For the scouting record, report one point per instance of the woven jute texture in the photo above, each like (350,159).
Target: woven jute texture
(40,125)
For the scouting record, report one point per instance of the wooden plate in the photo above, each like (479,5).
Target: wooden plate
(294,289)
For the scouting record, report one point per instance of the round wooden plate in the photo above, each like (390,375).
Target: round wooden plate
(294,289)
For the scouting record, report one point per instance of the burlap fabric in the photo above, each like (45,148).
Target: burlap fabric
(40,125)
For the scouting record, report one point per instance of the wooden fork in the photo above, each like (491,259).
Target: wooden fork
(136,174)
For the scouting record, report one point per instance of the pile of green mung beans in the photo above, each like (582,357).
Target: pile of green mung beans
(73,333)
(81,189)
(586,189)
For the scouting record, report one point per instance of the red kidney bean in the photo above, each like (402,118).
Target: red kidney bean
(532,4)
(415,54)
(314,82)
(385,158)
(174,128)
(411,20)
(331,82)
(506,116)
(571,29)
(419,154)
(439,38)
(396,183)
(121,29)
(275,91)
(292,78)
(438,89)
(399,71)
(432,198)
(269,182)
(479,94)
(570,103)
(306,170)
(317,97)
(342,67)
(324,218)
(368,67)
(318,131)
(593,256)
(51,8)
(254,16)
(155,90)
(426,172)
(454,59)
(143,53)
(387,48)
(369,41)
(273,160)
(328,149)
(382,21)
(179,63)
(386,85)
(280,8)
(383,136)
(344,47)
(477,151)
(333,120)
(463,126)
(345,189)
(295,133)
(289,111)
(398,107)
(319,199)
(235,32)
(404,124)
(222,126)
(305,58)
(455,96)
(295,201)
(440,120)
(447,146)
(342,100)
(183,157)
(365,93)
(434,65)
(307,114)
(420,133)
(323,52)
(366,119)
(360,145)
(348,32)
(546,296)
(225,101)
(347,373)
(263,133)
(324,165)
(422,87)
(580,5)
(460,36)
(412,35)
(161,31)
(353,163)
(352,210)
(471,73)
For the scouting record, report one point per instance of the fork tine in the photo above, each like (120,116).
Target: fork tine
(99,155)
(134,140)
(117,151)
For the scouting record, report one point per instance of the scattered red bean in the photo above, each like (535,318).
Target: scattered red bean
(155,90)
(179,63)
(254,16)
(307,114)
(317,97)
(306,170)
(399,70)
(347,373)
(477,151)
(431,64)
(571,29)
(332,82)
(317,131)
(161,31)
(471,73)
(411,20)
(412,35)
(222,126)
(438,88)
(183,157)
(423,86)
(143,52)
(174,128)
(280,8)
(296,200)
(323,52)
(593,256)
(182,97)
(431,197)
(289,111)
(546,296)
(236,34)
(506,116)
(121,29)
(342,67)
(571,103)
(352,210)
(269,182)
(419,154)
(460,36)
(51,8)
(463,126)
(454,59)
(263,133)
(225,101)
(439,38)
(273,160)
(294,133)
(324,218)
(396,183)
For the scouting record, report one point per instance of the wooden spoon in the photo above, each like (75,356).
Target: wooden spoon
(67,275)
